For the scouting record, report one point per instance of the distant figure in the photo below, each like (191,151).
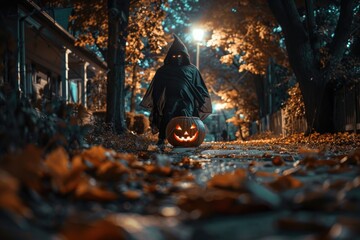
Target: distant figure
(177,89)
(224,135)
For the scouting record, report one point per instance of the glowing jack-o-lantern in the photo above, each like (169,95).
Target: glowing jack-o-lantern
(185,131)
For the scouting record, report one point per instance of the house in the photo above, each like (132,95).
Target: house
(39,55)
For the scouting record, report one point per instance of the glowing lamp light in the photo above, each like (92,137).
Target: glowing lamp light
(198,34)
(219,106)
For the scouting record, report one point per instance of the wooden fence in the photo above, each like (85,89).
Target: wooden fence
(347,109)
(346,115)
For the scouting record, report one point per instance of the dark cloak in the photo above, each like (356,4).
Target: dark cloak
(176,90)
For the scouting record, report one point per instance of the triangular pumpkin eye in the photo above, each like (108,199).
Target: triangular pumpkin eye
(193,126)
(178,127)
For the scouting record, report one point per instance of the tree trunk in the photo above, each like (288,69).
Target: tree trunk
(241,135)
(133,89)
(238,123)
(111,56)
(302,47)
(9,51)
(319,105)
(118,11)
(260,93)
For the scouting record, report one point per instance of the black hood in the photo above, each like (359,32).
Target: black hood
(177,47)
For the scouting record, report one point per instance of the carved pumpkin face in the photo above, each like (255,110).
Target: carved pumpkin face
(187,134)
(185,131)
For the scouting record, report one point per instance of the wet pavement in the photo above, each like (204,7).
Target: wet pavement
(215,191)
(313,211)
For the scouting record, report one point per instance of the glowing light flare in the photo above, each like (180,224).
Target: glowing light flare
(219,106)
(198,34)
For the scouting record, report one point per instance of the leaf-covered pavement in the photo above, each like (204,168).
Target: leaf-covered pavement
(277,188)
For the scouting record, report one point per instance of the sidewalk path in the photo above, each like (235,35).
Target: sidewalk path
(223,190)
(299,193)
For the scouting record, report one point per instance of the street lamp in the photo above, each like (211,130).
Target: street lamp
(198,35)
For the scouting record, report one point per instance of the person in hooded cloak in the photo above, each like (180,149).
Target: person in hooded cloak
(177,89)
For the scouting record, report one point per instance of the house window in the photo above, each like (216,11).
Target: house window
(73,89)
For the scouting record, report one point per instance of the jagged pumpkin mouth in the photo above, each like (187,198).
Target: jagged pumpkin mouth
(186,138)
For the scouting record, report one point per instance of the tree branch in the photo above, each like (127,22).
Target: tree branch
(311,26)
(236,64)
(342,31)
(288,17)
(278,10)
(101,50)
(132,2)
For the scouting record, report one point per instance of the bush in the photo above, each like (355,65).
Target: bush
(294,109)
(52,124)
(99,116)
(137,123)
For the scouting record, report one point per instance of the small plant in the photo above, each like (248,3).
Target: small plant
(294,109)
(48,125)
(137,123)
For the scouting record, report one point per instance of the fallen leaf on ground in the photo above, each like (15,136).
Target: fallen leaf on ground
(96,155)
(111,171)
(87,191)
(9,200)
(298,170)
(132,194)
(312,162)
(354,158)
(278,161)
(310,151)
(97,230)
(25,165)
(232,180)
(129,157)
(212,201)
(158,170)
(65,175)
(265,174)
(283,183)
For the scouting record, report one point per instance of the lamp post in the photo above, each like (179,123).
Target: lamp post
(198,35)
